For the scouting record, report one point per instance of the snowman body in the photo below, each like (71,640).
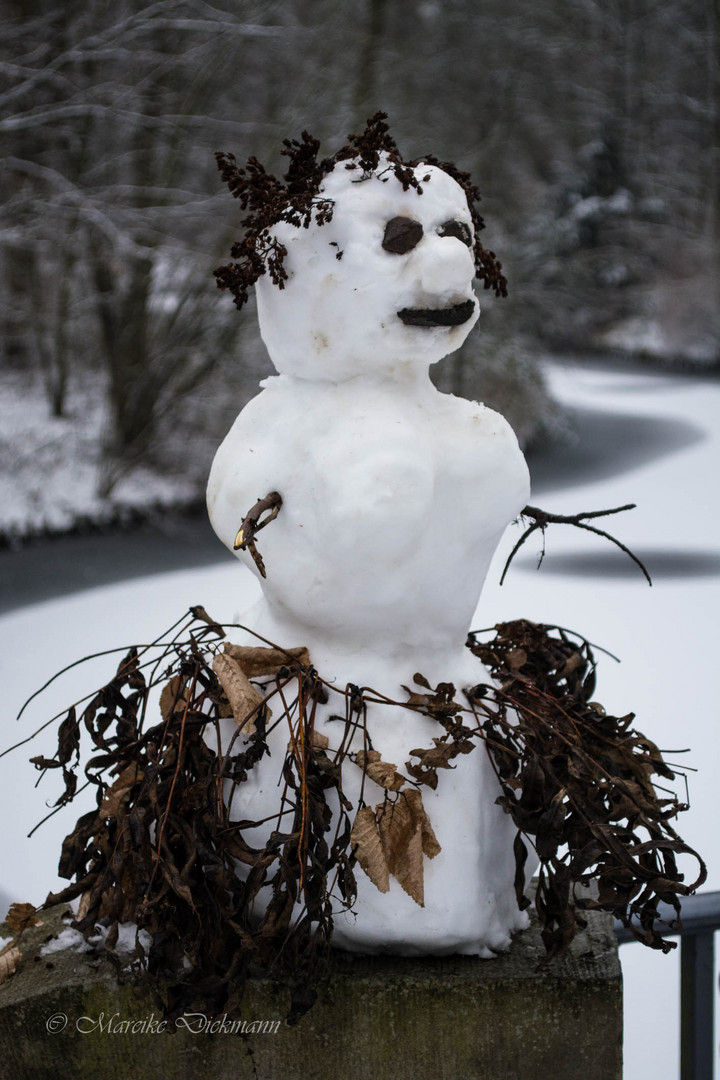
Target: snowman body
(395,497)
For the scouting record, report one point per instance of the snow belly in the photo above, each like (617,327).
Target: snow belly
(463,900)
(390,517)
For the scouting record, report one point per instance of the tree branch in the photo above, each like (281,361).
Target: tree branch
(251,526)
(542,518)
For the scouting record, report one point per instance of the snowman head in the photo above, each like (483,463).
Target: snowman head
(366,267)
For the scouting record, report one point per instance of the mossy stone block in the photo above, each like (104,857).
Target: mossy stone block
(64,1015)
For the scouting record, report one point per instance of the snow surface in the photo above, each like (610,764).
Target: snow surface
(73,939)
(667,637)
(50,466)
(66,939)
(126,937)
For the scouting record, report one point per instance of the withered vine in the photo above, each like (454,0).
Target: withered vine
(167,846)
(579,784)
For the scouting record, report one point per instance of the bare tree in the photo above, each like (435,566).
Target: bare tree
(108,197)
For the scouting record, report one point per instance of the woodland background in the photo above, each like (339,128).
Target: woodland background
(591,127)
(593,131)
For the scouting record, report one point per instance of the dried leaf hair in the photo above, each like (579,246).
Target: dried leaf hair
(297,200)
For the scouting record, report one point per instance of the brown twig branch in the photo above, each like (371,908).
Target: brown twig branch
(252,524)
(542,518)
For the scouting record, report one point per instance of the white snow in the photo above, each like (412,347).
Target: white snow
(667,637)
(73,939)
(620,203)
(662,333)
(126,937)
(50,467)
(66,939)
(639,335)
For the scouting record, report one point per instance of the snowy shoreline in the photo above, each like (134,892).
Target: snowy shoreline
(49,467)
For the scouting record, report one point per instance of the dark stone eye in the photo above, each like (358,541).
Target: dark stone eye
(401,235)
(458,229)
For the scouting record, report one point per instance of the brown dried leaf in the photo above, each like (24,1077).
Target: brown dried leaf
(243,697)
(364,838)
(436,757)
(68,738)
(441,754)
(83,906)
(112,802)
(401,835)
(172,698)
(573,662)
(382,772)
(430,844)
(418,700)
(199,612)
(177,884)
(45,763)
(257,660)
(440,703)
(9,959)
(20,916)
(516,659)
(318,742)
(407,835)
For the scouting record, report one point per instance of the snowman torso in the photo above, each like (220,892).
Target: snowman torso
(394,500)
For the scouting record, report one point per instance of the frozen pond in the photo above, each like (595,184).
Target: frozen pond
(658,446)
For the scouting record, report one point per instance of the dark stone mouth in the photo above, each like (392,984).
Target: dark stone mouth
(449,316)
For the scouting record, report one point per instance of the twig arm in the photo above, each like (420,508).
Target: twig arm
(540,519)
(253,522)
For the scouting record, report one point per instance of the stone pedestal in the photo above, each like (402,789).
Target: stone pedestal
(63,1015)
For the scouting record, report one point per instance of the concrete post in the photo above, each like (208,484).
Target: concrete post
(63,1016)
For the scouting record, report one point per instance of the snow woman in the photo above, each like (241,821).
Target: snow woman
(348,765)
(388,500)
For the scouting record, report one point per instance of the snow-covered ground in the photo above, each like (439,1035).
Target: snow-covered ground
(667,637)
(50,466)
